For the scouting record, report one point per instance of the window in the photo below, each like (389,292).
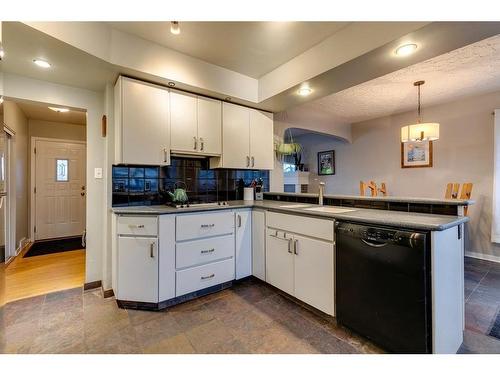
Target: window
(61,170)
(288,167)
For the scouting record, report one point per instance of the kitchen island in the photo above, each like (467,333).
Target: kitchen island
(164,255)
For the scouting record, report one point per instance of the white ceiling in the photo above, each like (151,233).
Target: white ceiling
(250,48)
(70,65)
(36,111)
(467,71)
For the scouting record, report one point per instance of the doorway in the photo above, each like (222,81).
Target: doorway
(50,163)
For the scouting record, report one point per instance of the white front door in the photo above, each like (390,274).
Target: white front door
(59,189)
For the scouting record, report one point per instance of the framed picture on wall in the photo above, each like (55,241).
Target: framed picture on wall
(326,163)
(416,154)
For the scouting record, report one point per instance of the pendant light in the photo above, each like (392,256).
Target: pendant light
(419,132)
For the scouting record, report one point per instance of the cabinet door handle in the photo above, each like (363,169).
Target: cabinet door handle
(207,251)
(207,225)
(152,249)
(248,161)
(290,245)
(253,161)
(202,144)
(208,277)
(195,143)
(296,247)
(165,156)
(239,221)
(138,226)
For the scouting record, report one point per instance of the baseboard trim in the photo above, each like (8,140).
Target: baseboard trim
(491,258)
(92,285)
(108,293)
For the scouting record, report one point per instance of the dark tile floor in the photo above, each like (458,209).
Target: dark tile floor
(251,317)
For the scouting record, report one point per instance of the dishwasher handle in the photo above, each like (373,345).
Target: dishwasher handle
(373,244)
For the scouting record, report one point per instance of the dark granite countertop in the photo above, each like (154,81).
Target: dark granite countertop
(408,220)
(389,198)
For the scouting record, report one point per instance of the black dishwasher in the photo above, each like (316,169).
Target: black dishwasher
(383,286)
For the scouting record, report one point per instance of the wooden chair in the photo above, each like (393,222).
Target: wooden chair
(374,190)
(453,189)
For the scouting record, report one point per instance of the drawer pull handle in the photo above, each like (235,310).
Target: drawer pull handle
(208,277)
(207,251)
(207,225)
(152,249)
(140,226)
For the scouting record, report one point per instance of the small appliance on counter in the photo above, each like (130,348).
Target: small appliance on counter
(259,193)
(248,194)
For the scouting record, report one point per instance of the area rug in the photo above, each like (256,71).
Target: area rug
(54,246)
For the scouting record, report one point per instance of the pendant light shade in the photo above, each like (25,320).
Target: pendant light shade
(419,132)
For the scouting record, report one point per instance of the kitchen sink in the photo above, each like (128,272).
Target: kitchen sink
(295,205)
(330,210)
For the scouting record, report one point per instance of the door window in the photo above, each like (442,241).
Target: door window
(62,170)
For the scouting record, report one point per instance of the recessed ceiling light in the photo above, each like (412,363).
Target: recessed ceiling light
(175,28)
(228,99)
(42,63)
(406,49)
(304,91)
(60,110)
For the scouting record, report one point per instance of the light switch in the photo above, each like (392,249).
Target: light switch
(97,172)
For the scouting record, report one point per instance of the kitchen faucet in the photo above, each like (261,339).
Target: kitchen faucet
(321,192)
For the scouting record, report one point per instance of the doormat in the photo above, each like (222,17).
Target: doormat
(495,328)
(54,246)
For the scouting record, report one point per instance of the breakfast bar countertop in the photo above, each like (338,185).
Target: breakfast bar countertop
(399,219)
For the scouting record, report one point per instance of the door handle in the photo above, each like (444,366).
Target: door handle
(239,221)
(195,143)
(82,194)
(290,245)
(165,156)
(248,161)
(295,247)
(202,144)
(253,161)
(152,249)
(374,244)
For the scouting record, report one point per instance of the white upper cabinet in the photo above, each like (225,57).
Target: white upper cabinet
(142,123)
(209,126)
(247,139)
(261,140)
(235,136)
(196,124)
(184,122)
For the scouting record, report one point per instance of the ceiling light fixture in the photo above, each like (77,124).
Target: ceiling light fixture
(42,63)
(175,28)
(304,91)
(406,49)
(428,131)
(171,84)
(59,110)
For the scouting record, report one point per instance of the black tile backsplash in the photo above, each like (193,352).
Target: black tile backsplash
(139,185)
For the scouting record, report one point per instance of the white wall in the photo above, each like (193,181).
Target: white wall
(15,119)
(60,95)
(464,153)
(50,129)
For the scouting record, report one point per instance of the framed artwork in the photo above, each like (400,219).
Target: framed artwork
(326,163)
(416,154)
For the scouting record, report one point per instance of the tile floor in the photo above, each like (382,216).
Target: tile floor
(251,317)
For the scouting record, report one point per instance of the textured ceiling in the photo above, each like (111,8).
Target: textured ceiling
(250,48)
(36,111)
(467,71)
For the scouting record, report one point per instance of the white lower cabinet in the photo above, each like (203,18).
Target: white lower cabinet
(243,247)
(259,244)
(313,268)
(201,277)
(137,269)
(279,260)
(300,265)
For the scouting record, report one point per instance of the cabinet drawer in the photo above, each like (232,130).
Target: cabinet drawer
(138,225)
(310,226)
(201,277)
(193,253)
(200,225)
